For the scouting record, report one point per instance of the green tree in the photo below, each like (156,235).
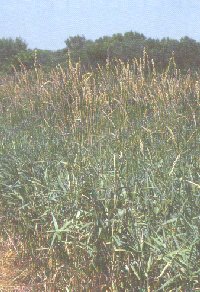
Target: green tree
(10,48)
(188,54)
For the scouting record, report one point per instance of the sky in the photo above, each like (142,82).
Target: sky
(46,24)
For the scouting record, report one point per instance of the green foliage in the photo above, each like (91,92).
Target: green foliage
(99,176)
(131,45)
(9,49)
(92,53)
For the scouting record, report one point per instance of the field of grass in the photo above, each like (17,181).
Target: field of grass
(100,176)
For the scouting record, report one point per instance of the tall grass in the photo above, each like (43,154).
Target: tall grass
(99,176)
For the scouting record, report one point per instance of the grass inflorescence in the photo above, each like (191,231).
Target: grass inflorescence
(99,175)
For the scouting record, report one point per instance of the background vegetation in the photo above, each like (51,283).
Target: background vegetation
(125,46)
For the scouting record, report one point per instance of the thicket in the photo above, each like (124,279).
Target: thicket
(125,47)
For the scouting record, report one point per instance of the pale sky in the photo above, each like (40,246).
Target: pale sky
(46,24)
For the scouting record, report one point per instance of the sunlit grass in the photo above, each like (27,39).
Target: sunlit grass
(99,175)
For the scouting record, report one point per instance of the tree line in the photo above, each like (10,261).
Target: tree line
(14,53)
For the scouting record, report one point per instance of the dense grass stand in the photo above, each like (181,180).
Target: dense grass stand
(100,176)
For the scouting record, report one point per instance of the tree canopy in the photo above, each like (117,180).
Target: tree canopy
(127,46)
